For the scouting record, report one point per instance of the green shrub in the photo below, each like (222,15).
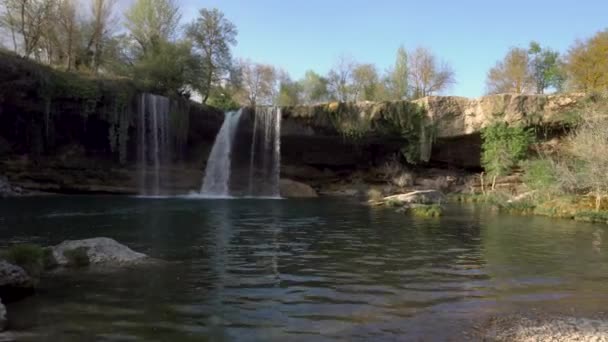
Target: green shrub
(541,175)
(504,147)
(27,256)
(427,210)
(77,257)
(520,207)
(592,216)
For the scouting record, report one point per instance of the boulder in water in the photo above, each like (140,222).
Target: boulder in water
(15,283)
(293,189)
(98,250)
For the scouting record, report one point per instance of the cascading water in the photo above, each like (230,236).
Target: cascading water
(265,157)
(217,174)
(153,143)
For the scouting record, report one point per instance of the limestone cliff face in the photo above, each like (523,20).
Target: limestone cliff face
(459,116)
(452,116)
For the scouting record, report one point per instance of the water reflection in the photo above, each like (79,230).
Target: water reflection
(321,270)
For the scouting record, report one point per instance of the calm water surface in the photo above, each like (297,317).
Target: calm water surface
(316,270)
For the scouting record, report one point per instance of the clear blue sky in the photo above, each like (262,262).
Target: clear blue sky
(469,34)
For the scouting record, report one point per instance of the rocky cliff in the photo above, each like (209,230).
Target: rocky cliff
(68,133)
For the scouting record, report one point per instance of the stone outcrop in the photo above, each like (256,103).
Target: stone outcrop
(99,251)
(293,189)
(417,197)
(15,283)
(460,116)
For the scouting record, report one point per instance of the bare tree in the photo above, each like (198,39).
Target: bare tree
(28,20)
(427,76)
(103,22)
(511,75)
(258,83)
(67,21)
(340,79)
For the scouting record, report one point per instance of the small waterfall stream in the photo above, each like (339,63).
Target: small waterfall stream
(265,157)
(258,179)
(217,174)
(153,143)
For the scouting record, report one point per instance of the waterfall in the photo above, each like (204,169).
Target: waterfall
(265,155)
(217,174)
(153,143)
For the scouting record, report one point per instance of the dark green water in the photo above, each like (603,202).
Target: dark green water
(299,270)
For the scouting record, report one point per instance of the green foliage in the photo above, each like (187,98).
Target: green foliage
(29,257)
(592,216)
(427,211)
(77,257)
(314,88)
(166,68)
(222,98)
(289,93)
(152,21)
(540,175)
(545,68)
(212,36)
(504,147)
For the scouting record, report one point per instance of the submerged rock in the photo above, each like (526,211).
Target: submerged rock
(417,197)
(15,283)
(293,189)
(98,251)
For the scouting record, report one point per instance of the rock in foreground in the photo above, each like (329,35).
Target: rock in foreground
(293,189)
(554,329)
(99,251)
(15,283)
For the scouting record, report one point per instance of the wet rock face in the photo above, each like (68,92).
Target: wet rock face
(15,283)
(99,251)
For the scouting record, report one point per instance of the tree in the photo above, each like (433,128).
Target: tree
(503,148)
(168,68)
(27,20)
(314,88)
(545,68)
(511,75)
(290,92)
(259,82)
(212,35)
(152,22)
(101,26)
(340,78)
(397,79)
(427,76)
(587,64)
(69,26)
(366,82)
